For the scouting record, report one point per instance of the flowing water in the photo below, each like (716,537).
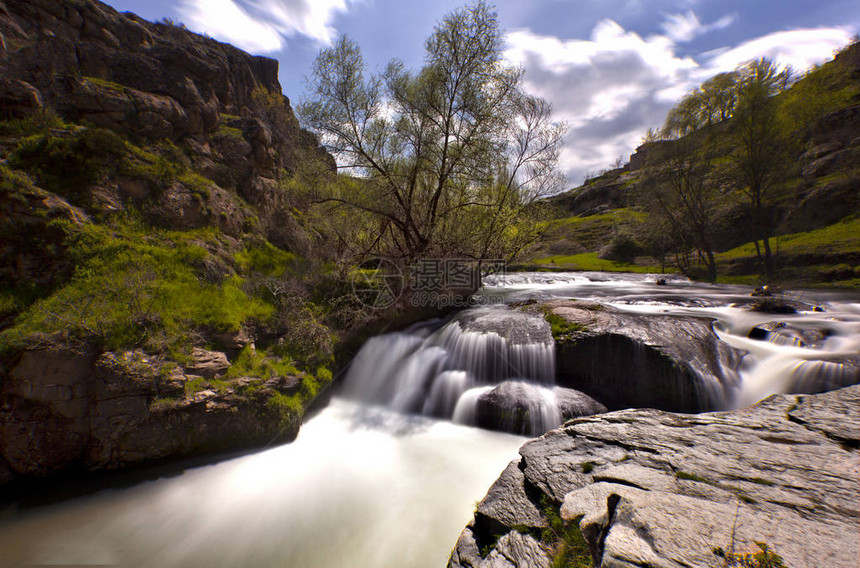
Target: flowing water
(388,473)
(815,349)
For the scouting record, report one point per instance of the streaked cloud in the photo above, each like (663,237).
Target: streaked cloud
(685,27)
(801,49)
(609,88)
(263,26)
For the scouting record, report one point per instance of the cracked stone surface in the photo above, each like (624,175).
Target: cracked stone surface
(653,488)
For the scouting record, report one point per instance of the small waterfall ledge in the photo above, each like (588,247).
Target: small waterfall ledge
(492,367)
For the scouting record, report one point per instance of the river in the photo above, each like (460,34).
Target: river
(384,476)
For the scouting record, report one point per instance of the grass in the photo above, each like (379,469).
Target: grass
(135,286)
(265,260)
(840,237)
(105,83)
(251,363)
(566,540)
(590,262)
(593,231)
(225,131)
(560,326)
(621,215)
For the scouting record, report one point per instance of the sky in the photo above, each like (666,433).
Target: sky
(611,68)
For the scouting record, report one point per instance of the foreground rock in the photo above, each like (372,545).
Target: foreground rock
(655,361)
(62,410)
(650,488)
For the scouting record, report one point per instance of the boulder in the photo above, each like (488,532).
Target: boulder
(652,488)
(525,408)
(657,361)
(783,333)
(573,404)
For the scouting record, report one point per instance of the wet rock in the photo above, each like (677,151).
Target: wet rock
(574,404)
(525,408)
(783,333)
(652,488)
(517,407)
(814,376)
(656,361)
(776,305)
(515,327)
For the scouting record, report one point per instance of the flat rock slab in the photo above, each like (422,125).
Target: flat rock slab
(652,488)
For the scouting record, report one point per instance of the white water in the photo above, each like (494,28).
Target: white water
(776,365)
(367,487)
(359,488)
(443,372)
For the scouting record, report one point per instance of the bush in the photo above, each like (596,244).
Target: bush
(68,164)
(621,249)
(764,558)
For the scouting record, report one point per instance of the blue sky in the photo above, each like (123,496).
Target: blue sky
(611,68)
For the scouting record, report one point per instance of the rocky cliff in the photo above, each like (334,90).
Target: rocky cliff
(651,488)
(150,305)
(156,82)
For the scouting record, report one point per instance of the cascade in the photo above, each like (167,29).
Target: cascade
(483,364)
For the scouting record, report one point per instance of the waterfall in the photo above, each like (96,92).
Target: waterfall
(491,366)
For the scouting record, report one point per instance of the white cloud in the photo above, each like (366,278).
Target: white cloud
(610,89)
(262,26)
(801,49)
(616,85)
(685,27)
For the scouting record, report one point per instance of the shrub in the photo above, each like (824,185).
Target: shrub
(764,558)
(621,249)
(69,163)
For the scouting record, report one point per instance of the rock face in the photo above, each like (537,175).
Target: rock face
(650,488)
(625,360)
(62,410)
(157,83)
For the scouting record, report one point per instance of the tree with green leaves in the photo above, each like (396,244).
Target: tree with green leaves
(682,197)
(711,103)
(445,161)
(759,153)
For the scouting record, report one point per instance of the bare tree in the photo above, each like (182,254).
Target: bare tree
(450,157)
